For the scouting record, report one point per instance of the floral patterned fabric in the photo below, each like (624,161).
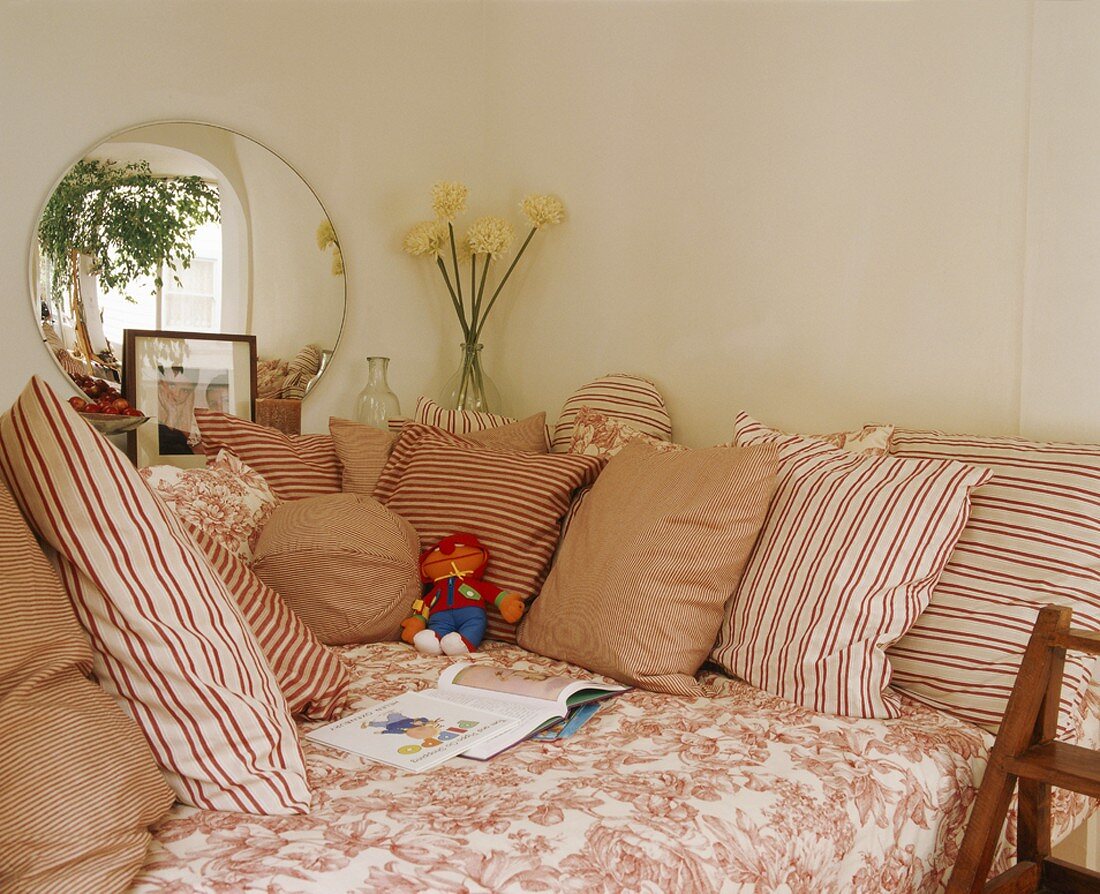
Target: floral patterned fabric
(597,434)
(737,791)
(227,499)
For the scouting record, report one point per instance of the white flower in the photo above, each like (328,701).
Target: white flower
(426,238)
(490,236)
(542,210)
(449,199)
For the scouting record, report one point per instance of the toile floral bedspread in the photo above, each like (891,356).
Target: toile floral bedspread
(739,791)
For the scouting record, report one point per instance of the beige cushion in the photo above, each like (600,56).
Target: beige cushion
(79,786)
(655,550)
(344,563)
(364,450)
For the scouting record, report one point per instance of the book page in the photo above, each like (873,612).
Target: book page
(509,683)
(414,731)
(529,716)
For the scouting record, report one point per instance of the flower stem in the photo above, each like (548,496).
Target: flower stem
(475,328)
(473,284)
(454,261)
(454,298)
(496,293)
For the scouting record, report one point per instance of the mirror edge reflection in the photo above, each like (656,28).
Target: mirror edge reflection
(33,271)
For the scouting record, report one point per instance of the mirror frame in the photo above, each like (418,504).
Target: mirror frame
(32,242)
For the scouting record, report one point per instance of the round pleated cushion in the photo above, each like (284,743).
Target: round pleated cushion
(344,563)
(623,397)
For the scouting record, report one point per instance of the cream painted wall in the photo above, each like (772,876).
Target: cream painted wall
(818,212)
(1061,371)
(811,211)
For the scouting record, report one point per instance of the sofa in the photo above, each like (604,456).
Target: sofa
(699,778)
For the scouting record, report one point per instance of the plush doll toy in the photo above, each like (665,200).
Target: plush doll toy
(450,617)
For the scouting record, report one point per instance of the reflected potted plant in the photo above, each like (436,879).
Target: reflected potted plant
(127,222)
(487,240)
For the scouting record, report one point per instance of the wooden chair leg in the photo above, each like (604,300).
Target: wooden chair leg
(1028,708)
(1033,829)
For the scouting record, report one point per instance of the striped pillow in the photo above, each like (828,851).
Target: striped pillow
(638,588)
(459,422)
(364,450)
(169,642)
(845,563)
(294,466)
(80,787)
(514,502)
(630,399)
(345,563)
(313,679)
(1033,539)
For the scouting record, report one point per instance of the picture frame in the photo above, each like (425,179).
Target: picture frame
(167,374)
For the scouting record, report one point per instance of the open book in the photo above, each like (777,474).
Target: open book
(534,700)
(477,711)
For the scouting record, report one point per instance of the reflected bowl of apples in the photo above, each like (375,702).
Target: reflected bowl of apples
(105,409)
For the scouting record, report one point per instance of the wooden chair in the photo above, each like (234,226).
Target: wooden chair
(1025,750)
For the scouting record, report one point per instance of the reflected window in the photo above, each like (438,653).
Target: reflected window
(194,304)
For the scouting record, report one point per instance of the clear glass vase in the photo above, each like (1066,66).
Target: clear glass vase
(377,404)
(470,388)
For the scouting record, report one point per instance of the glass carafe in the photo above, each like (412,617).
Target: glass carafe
(377,404)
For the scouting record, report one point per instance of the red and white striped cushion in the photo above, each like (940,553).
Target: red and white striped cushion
(514,502)
(294,466)
(627,398)
(313,679)
(1033,539)
(169,642)
(79,787)
(459,422)
(847,559)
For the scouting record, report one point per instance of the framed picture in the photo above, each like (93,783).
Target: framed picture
(167,375)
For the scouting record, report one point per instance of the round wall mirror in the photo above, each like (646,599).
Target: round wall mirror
(184,227)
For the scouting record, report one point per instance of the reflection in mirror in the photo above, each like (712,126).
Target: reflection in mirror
(191,227)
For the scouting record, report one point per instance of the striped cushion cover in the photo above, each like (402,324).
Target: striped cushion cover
(294,466)
(1033,539)
(79,787)
(169,642)
(345,563)
(364,450)
(459,422)
(514,502)
(628,398)
(846,561)
(313,679)
(692,517)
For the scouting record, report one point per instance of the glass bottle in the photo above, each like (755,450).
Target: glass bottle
(377,403)
(470,388)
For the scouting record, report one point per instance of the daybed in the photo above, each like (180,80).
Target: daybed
(726,789)
(738,791)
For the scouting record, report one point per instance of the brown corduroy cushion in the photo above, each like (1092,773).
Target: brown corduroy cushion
(364,450)
(655,550)
(78,786)
(344,563)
